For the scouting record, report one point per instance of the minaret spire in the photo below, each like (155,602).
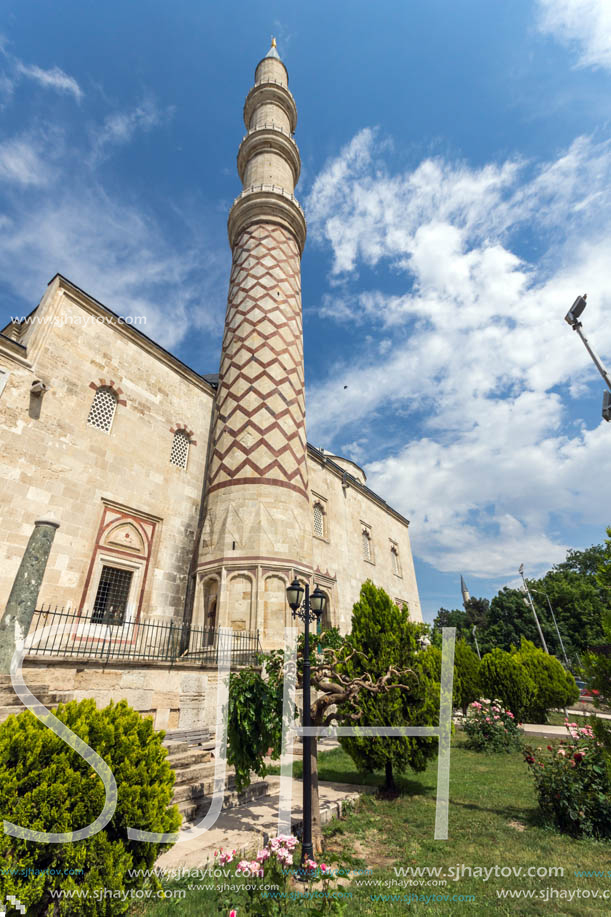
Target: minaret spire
(258,502)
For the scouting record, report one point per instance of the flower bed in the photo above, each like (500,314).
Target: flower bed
(491,728)
(266,885)
(573,783)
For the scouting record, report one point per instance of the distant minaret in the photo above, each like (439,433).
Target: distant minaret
(257,531)
(465,593)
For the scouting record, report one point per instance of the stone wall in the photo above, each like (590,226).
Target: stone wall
(339,560)
(52,460)
(176,698)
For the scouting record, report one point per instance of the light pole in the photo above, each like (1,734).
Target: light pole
(532,606)
(542,592)
(572,317)
(310,609)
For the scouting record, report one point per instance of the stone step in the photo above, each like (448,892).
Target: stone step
(7,710)
(195,809)
(201,788)
(8,696)
(195,773)
(176,747)
(188,758)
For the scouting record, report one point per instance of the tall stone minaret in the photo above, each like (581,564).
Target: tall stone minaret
(257,533)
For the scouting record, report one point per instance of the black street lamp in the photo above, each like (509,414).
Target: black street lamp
(310,609)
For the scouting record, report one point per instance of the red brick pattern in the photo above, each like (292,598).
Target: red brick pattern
(111,385)
(259,435)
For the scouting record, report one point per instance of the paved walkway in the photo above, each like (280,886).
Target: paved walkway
(244,827)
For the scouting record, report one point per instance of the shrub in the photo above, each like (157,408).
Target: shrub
(573,784)
(466,675)
(502,676)
(491,728)
(254,723)
(46,786)
(554,686)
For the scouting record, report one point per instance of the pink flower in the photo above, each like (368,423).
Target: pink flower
(323,867)
(263,855)
(233,913)
(562,752)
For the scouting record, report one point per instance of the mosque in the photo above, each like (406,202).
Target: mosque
(187,499)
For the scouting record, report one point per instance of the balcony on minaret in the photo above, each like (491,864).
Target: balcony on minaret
(268,158)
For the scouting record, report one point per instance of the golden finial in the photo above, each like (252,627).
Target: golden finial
(273,42)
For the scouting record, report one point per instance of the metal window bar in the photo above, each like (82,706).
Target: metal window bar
(77,635)
(110,603)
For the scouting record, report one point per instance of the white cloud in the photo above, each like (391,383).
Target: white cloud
(585,23)
(55,78)
(119,128)
(118,253)
(482,369)
(22,163)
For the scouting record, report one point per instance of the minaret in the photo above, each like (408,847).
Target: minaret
(257,532)
(465,592)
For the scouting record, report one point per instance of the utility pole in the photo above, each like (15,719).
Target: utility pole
(532,606)
(541,592)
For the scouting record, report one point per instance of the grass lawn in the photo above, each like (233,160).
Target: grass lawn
(493,821)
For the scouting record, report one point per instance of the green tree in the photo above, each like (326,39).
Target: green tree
(456,618)
(477,611)
(466,675)
(578,604)
(503,678)
(554,686)
(509,619)
(585,562)
(384,638)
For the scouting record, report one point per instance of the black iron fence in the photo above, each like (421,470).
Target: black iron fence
(55,632)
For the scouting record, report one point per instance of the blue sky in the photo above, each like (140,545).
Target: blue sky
(456,178)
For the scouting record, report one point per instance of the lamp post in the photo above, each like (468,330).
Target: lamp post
(532,607)
(572,318)
(542,592)
(310,609)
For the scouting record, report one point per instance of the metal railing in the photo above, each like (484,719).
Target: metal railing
(68,634)
(277,189)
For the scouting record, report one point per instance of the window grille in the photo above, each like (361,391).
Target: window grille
(103,409)
(111,598)
(180,449)
(319,520)
(366,545)
(395,560)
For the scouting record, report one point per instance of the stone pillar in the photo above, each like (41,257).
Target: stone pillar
(21,605)
(258,503)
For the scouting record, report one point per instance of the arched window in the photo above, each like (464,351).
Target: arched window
(394,555)
(319,520)
(179,455)
(366,540)
(103,409)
